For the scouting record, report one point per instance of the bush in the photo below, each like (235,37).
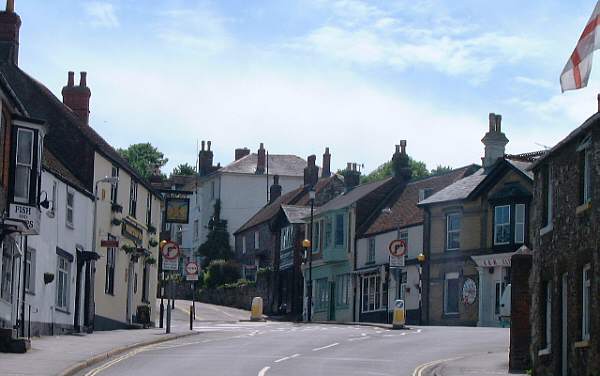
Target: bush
(221,272)
(240,283)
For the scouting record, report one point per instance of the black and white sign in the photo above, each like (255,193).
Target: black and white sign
(30,215)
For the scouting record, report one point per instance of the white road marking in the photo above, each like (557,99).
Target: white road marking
(286,358)
(326,347)
(263,371)
(419,330)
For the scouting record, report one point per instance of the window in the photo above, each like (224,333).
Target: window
(585,171)
(371,254)
(453,231)
(328,231)
(243,244)
(316,242)
(451,290)
(24,164)
(30,271)
(547,315)
(149,208)
(54,198)
(424,193)
(343,288)
(502,225)
(70,208)
(403,235)
(114,188)
(520,223)
(111,262)
(196,229)
(7,276)
(339,230)
(256,240)
(62,282)
(286,237)
(547,196)
(371,293)
(321,294)
(587,296)
(133,198)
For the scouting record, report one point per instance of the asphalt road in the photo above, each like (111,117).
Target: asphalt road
(227,347)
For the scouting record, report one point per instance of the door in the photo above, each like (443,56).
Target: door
(564,332)
(129,292)
(332,301)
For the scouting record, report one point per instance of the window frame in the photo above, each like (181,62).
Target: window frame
(343,287)
(114,188)
(133,192)
(257,239)
(372,244)
(547,317)
(522,224)
(30,266)
(586,295)
(339,231)
(70,208)
(372,286)
(286,238)
(321,294)
(447,277)
(110,268)
(149,209)
(449,231)
(31,165)
(6,274)
(503,224)
(63,276)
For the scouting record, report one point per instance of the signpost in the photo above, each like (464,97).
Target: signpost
(170,261)
(191,274)
(398,250)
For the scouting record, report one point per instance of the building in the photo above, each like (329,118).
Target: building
(337,290)
(402,219)
(242,186)
(565,333)
(471,230)
(127,212)
(259,242)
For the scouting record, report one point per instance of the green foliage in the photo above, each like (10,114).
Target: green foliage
(239,283)
(419,170)
(221,272)
(440,170)
(144,158)
(216,246)
(184,169)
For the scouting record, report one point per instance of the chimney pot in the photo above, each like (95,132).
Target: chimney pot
(202,143)
(83,79)
(326,168)
(241,153)
(275,190)
(311,171)
(403,146)
(71,79)
(77,98)
(10,6)
(208,145)
(498,123)
(261,160)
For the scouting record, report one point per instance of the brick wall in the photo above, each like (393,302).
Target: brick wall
(520,326)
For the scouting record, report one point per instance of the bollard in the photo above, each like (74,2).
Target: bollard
(191,318)
(399,315)
(257,309)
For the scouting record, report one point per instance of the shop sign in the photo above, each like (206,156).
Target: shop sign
(30,215)
(131,231)
(178,210)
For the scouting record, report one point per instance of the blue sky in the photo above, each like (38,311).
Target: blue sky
(353,75)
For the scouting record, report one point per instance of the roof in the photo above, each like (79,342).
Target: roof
(51,164)
(180,182)
(591,121)
(279,164)
(404,211)
(464,188)
(295,213)
(352,196)
(65,129)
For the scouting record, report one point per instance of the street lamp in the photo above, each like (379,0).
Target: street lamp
(309,246)
(421,260)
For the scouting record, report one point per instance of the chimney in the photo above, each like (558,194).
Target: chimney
(495,141)
(77,98)
(311,171)
(598,102)
(10,23)
(401,162)
(326,168)
(262,160)
(275,190)
(351,176)
(205,159)
(241,153)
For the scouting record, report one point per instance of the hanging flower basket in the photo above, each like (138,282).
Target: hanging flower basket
(151,230)
(116,208)
(152,242)
(150,260)
(116,222)
(129,249)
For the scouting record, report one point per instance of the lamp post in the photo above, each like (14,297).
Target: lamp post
(309,246)
(421,260)
(107,179)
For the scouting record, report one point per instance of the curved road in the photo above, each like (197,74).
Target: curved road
(223,347)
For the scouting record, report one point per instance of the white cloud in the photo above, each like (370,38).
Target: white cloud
(536,82)
(101,14)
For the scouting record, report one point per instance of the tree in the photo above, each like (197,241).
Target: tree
(184,169)
(144,158)
(216,246)
(220,272)
(440,170)
(418,168)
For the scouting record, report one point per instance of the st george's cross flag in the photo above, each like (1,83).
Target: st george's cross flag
(576,73)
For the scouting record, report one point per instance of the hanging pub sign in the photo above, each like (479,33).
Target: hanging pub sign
(131,231)
(178,210)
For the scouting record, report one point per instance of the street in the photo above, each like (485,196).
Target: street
(225,346)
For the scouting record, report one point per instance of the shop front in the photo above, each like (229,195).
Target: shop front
(494,278)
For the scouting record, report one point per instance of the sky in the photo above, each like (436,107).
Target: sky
(356,76)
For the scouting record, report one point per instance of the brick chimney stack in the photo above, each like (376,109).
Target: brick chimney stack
(205,159)
(241,153)
(262,160)
(401,162)
(77,98)
(326,168)
(495,141)
(275,190)
(10,24)
(311,171)
(351,176)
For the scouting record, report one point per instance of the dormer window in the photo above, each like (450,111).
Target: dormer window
(425,193)
(24,165)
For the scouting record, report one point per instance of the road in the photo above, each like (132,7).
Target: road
(227,347)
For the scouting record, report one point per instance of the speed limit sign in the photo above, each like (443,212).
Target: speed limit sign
(191,271)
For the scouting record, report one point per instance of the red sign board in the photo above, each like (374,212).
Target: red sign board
(112,243)
(397,248)
(170,251)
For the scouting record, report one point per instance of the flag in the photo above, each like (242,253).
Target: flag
(576,73)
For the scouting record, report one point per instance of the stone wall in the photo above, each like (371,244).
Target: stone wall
(520,326)
(240,297)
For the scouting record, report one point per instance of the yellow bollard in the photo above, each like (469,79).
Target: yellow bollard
(399,315)
(256,312)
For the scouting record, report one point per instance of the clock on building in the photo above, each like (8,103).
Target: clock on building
(469,291)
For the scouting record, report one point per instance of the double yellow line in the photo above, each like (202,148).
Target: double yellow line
(423,367)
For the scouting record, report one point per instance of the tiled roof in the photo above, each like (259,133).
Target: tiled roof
(67,134)
(522,166)
(296,214)
(279,164)
(51,164)
(404,211)
(352,196)
(180,182)
(459,190)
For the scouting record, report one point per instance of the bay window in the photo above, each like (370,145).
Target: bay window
(372,293)
(24,164)
(343,288)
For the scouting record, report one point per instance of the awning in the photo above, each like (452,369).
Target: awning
(370,269)
(495,259)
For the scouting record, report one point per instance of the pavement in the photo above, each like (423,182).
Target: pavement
(225,345)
